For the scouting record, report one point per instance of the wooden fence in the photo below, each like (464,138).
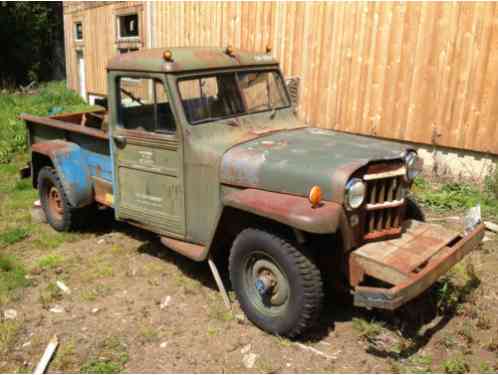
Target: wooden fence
(419,72)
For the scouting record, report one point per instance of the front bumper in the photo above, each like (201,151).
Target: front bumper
(411,282)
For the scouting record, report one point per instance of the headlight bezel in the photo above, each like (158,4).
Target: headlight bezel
(412,165)
(349,190)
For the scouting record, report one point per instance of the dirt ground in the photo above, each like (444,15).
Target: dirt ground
(135,306)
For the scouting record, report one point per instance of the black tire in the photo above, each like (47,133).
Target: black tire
(413,210)
(61,215)
(303,300)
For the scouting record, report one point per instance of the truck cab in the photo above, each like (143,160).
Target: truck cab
(202,146)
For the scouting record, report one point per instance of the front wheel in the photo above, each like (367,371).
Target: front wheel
(279,287)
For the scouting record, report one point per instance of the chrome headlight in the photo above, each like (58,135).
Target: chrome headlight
(355,193)
(413,165)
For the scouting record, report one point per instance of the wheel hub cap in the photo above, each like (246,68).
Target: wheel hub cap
(270,283)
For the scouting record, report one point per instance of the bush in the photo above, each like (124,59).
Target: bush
(12,104)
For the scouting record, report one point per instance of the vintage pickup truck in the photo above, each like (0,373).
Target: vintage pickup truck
(202,146)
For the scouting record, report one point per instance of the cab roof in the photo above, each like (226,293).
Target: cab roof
(187,59)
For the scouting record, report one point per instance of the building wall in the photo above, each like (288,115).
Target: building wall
(417,72)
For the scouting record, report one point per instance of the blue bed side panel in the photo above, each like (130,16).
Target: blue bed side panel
(75,167)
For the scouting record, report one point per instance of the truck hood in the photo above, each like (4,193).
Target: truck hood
(292,161)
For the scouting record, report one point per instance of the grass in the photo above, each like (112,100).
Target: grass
(91,294)
(456,365)
(50,294)
(14,235)
(366,329)
(51,261)
(111,357)
(9,330)
(12,130)
(12,276)
(65,359)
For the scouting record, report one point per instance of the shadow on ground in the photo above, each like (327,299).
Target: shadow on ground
(415,323)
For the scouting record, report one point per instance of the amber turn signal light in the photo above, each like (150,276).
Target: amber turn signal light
(315,196)
(168,55)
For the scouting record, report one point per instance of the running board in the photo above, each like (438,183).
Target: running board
(190,250)
(198,253)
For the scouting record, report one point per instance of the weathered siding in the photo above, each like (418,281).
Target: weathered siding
(420,72)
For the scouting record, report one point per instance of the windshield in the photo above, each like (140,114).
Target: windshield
(218,96)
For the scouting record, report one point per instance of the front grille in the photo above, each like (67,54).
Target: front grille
(384,204)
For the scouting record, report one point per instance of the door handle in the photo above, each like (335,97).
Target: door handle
(120,140)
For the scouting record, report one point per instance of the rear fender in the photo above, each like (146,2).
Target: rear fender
(72,169)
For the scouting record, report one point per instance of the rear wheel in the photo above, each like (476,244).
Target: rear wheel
(279,287)
(59,212)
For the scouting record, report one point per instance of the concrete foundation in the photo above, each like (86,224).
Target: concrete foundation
(456,164)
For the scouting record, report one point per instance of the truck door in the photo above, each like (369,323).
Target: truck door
(147,156)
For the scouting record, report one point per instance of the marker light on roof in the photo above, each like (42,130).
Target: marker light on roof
(230,51)
(168,55)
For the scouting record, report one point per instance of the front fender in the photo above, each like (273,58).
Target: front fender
(72,169)
(288,209)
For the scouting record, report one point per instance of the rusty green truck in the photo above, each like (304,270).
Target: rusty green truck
(202,146)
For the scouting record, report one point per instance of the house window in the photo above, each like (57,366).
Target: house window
(128,27)
(78,31)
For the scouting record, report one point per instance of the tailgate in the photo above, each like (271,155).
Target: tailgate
(411,262)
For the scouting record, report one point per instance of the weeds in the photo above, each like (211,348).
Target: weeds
(457,195)
(50,261)
(65,358)
(12,276)
(367,330)
(9,329)
(12,131)
(50,294)
(456,365)
(12,236)
(149,334)
(92,294)
(111,358)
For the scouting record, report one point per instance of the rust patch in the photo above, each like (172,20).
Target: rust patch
(190,250)
(101,190)
(420,270)
(49,148)
(55,123)
(288,209)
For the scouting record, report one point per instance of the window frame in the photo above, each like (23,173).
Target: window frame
(134,38)
(207,74)
(75,31)
(119,113)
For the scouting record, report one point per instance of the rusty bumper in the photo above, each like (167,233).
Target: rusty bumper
(422,277)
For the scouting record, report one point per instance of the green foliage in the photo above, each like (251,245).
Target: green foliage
(457,196)
(31,35)
(9,330)
(50,261)
(111,358)
(50,294)
(101,367)
(12,275)
(13,131)
(456,365)
(12,236)
(367,330)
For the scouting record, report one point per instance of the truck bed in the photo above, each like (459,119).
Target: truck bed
(77,145)
(91,123)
